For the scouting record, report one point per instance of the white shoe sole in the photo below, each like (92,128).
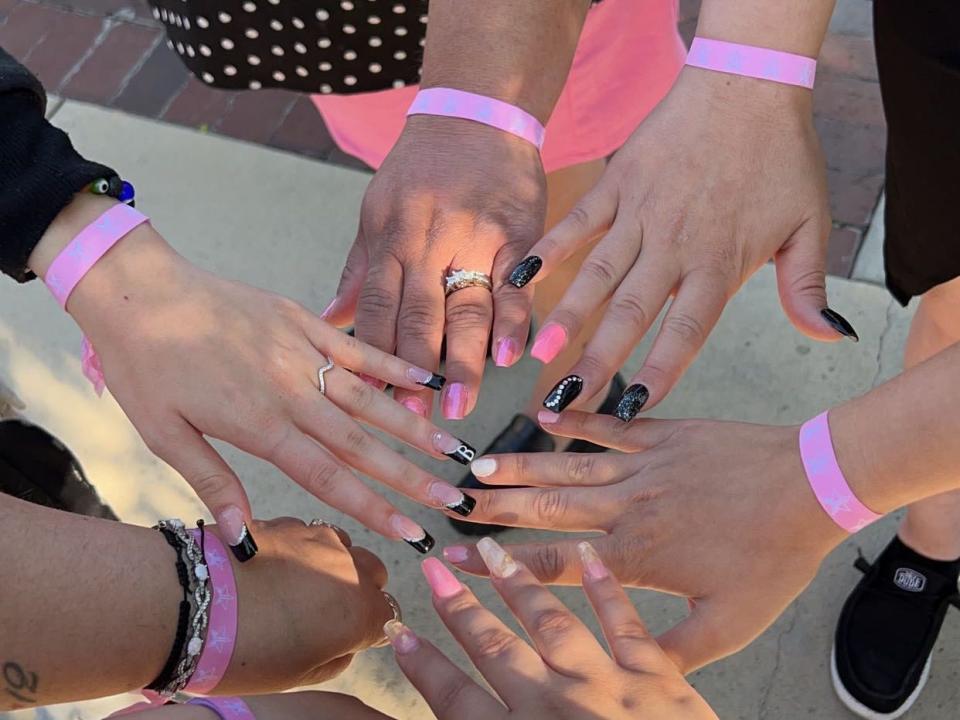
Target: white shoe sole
(861,710)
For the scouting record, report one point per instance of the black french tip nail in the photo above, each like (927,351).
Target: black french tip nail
(423,545)
(435,382)
(246,548)
(563,393)
(464,507)
(525,270)
(632,402)
(464,454)
(839,323)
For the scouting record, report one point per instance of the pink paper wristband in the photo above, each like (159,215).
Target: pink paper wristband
(826,479)
(228,708)
(86,249)
(479,108)
(750,61)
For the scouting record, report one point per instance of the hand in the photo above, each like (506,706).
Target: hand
(187,354)
(452,194)
(305,607)
(311,704)
(720,513)
(566,675)
(723,175)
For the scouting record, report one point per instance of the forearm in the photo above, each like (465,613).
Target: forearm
(518,52)
(898,443)
(794,26)
(88,607)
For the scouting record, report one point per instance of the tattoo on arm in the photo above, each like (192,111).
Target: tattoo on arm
(20,683)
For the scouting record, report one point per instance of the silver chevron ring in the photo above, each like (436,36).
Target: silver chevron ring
(320,373)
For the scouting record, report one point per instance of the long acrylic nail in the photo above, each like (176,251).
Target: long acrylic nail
(497,560)
(426,378)
(236,533)
(550,341)
(412,534)
(563,393)
(443,582)
(452,499)
(456,554)
(483,467)
(505,352)
(401,637)
(632,402)
(455,401)
(454,448)
(839,323)
(525,271)
(593,566)
(415,405)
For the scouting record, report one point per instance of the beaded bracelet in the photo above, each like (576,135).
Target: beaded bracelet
(165,676)
(114,187)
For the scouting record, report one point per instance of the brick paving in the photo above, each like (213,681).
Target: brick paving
(113,53)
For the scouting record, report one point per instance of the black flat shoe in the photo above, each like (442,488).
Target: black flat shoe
(524,435)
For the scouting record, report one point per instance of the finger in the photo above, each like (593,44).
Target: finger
(629,315)
(420,334)
(370,566)
(600,275)
(565,644)
(512,307)
(801,282)
(341,310)
(469,317)
(564,508)
(552,469)
(553,563)
(320,474)
(511,666)
(607,430)
(450,692)
(378,305)
(692,316)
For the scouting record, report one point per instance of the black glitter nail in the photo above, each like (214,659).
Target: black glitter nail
(423,545)
(632,402)
(839,323)
(246,547)
(464,454)
(464,507)
(563,393)
(525,271)
(435,382)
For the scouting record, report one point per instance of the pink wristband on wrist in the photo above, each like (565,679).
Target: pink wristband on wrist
(448,102)
(826,479)
(750,61)
(86,249)
(227,708)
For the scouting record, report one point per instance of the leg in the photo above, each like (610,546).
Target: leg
(932,526)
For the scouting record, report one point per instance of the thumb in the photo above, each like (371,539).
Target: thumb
(342,308)
(711,631)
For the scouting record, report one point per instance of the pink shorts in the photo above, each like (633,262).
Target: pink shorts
(627,59)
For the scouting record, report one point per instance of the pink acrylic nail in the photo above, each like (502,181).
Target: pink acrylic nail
(551,339)
(593,566)
(456,554)
(505,352)
(401,637)
(455,401)
(547,417)
(443,582)
(415,405)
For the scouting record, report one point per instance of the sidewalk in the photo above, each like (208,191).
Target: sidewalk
(755,368)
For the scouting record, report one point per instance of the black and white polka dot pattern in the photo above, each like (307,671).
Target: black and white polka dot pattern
(317,46)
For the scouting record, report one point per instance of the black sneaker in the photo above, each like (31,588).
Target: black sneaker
(881,653)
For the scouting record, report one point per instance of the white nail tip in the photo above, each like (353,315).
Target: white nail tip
(484,467)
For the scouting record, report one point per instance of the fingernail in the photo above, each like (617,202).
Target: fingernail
(550,341)
(236,533)
(370,380)
(546,417)
(632,401)
(415,405)
(328,310)
(497,560)
(839,323)
(455,401)
(484,467)
(505,352)
(452,499)
(456,554)
(593,566)
(525,271)
(563,393)
(443,582)
(454,448)
(401,637)
(426,378)
(412,534)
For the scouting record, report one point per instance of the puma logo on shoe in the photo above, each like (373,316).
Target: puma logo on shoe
(909,580)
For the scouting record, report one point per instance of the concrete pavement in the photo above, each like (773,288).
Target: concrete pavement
(285,223)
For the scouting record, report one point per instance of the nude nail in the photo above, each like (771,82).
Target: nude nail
(550,341)
(415,405)
(328,310)
(505,352)
(497,560)
(401,637)
(456,554)
(593,566)
(484,467)
(548,417)
(442,582)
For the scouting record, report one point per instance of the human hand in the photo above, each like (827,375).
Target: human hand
(280,706)
(566,675)
(720,513)
(725,174)
(452,194)
(188,355)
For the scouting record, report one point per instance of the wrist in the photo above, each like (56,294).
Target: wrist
(746,99)
(82,210)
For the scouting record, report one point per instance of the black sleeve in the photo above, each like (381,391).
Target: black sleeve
(40,172)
